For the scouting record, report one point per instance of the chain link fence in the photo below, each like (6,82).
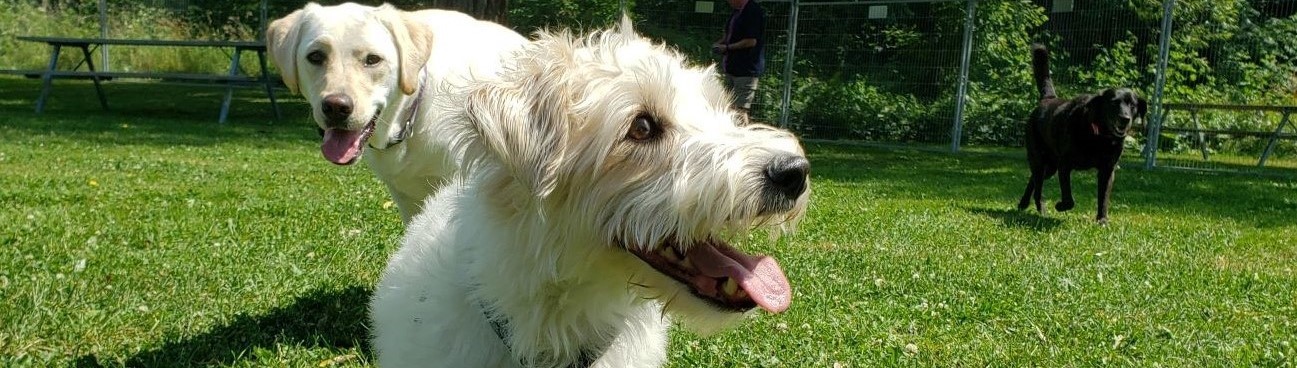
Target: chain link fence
(1220,75)
(956,74)
(1230,87)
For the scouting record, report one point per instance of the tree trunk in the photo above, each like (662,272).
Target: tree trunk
(492,10)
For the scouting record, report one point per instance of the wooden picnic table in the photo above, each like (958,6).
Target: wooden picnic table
(1285,112)
(235,78)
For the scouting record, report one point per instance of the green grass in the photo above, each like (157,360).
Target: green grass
(152,236)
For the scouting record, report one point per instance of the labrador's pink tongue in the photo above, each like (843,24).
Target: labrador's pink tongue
(341,146)
(759,276)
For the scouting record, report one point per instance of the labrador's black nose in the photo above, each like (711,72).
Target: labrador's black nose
(787,175)
(337,108)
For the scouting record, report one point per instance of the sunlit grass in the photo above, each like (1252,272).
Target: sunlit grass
(152,236)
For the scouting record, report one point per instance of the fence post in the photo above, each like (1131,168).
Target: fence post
(1155,124)
(957,128)
(261,28)
(103,33)
(785,100)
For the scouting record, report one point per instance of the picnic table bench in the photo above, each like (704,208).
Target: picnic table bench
(235,78)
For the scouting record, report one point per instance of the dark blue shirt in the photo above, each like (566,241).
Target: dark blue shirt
(749,22)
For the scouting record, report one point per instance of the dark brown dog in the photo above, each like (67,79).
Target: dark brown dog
(1078,134)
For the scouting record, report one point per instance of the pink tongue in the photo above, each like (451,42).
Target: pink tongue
(341,146)
(759,276)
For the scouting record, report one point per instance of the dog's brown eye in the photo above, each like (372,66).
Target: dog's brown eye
(315,57)
(644,129)
(372,60)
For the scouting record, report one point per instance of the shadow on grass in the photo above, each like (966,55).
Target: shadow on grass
(323,319)
(1018,219)
(146,113)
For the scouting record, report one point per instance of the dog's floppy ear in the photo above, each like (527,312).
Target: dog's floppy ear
(413,44)
(282,38)
(1094,105)
(519,130)
(1109,94)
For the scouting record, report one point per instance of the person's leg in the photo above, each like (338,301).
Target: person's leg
(744,90)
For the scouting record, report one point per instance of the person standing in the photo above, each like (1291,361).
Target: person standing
(742,50)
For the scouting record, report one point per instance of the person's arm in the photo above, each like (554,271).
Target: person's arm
(719,46)
(745,43)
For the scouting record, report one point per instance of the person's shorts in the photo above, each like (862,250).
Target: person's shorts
(744,90)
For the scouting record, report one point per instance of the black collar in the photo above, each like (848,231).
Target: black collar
(411,111)
(588,354)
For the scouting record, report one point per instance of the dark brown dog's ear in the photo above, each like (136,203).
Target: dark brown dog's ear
(1095,103)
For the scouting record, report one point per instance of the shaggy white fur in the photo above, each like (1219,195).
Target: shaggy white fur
(601,175)
(370,74)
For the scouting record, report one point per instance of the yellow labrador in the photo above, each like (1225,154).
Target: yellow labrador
(371,75)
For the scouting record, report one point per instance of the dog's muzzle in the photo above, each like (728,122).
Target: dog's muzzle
(785,181)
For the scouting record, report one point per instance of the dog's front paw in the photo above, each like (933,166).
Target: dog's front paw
(1064,206)
(1102,221)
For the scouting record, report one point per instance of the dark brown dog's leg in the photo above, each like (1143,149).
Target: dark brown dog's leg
(1039,193)
(1065,185)
(1106,176)
(1032,184)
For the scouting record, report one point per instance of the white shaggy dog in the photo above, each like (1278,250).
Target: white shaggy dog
(601,175)
(370,75)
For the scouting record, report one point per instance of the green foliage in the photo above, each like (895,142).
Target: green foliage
(20,18)
(1115,66)
(527,16)
(864,111)
(1000,88)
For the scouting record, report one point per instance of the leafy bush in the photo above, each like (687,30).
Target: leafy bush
(857,109)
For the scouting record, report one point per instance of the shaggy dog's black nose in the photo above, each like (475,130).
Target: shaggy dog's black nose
(336,108)
(787,174)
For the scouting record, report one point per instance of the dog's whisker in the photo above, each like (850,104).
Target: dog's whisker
(667,306)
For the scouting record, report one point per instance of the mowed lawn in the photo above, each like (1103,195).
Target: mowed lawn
(152,236)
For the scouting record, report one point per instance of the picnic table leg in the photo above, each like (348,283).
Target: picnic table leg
(47,78)
(103,100)
(265,79)
(1274,138)
(229,88)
